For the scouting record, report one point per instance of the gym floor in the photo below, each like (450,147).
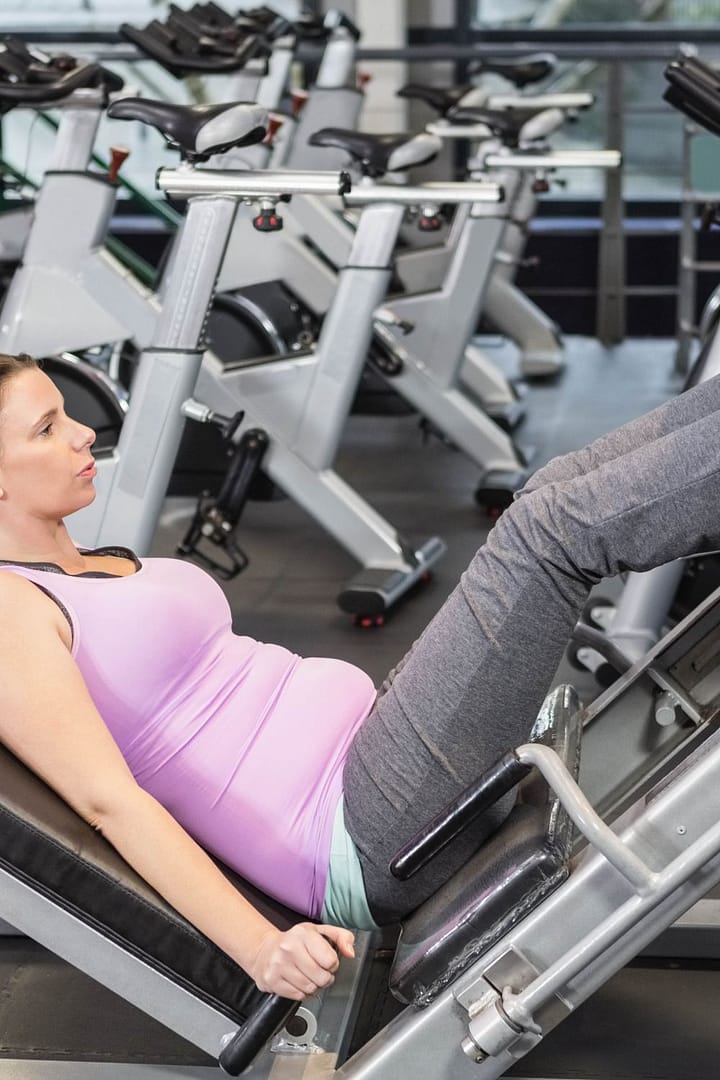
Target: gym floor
(651,1021)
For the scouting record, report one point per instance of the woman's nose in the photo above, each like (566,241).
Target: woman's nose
(85,435)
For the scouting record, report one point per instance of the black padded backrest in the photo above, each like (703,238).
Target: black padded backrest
(45,843)
(514,870)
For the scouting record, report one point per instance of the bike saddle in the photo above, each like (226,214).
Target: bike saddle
(520,72)
(505,123)
(440,98)
(378,154)
(198,131)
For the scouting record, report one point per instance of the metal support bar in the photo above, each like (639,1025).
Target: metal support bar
(556,159)
(701,264)
(587,820)
(445,130)
(611,255)
(541,101)
(249,183)
(627,915)
(434,192)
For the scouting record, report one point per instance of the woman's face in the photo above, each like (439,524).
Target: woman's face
(46,469)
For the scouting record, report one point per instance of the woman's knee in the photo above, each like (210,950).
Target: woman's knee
(552,529)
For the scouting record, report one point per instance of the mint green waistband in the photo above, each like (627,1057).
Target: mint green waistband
(345,901)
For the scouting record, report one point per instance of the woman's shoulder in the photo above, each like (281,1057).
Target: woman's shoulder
(19,595)
(23,606)
(18,589)
(14,583)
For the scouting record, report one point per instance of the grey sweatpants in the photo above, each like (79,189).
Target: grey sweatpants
(470,687)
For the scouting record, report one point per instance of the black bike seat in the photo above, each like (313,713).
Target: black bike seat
(440,98)
(505,123)
(378,154)
(520,72)
(198,131)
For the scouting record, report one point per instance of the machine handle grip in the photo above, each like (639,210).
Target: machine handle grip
(478,797)
(158,42)
(335,19)
(694,90)
(258,1029)
(81,77)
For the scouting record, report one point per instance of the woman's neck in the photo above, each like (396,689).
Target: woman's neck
(41,545)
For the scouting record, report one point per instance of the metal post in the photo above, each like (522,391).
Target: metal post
(686,323)
(611,268)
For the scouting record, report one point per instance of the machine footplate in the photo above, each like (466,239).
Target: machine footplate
(375,589)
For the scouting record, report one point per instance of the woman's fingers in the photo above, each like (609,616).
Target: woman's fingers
(342,939)
(303,960)
(314,955)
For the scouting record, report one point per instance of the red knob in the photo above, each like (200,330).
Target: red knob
(275,122)
(117,157)
(299,100)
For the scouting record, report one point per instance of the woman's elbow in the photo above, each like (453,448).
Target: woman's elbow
(104,810)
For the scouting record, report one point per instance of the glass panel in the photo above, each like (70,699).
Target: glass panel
(19,15)
(652,154)
(545,13)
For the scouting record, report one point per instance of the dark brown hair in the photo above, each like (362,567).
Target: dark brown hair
(12,365)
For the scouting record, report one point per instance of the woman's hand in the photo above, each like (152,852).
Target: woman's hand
(301,960)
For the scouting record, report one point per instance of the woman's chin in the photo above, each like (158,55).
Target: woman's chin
(80,502)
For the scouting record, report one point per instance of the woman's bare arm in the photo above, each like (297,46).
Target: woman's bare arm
(48,719)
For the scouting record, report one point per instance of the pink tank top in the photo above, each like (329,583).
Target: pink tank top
(243,742)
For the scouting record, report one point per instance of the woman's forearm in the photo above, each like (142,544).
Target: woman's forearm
(160,850)
(293,963)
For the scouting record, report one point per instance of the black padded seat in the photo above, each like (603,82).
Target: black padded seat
(437,97)
(379,154)
(197,130)
(45,843)
(525,860)
(520,72)
(505,123)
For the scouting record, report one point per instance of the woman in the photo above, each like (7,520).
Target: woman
(126,690)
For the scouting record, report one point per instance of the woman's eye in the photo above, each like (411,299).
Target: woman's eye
(47,430)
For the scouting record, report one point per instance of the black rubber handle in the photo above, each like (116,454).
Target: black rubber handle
(213,14)
(695,91)
(257,1030)
(83,76)
(334,19)
(163,44)
(497,781)
(592,638)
